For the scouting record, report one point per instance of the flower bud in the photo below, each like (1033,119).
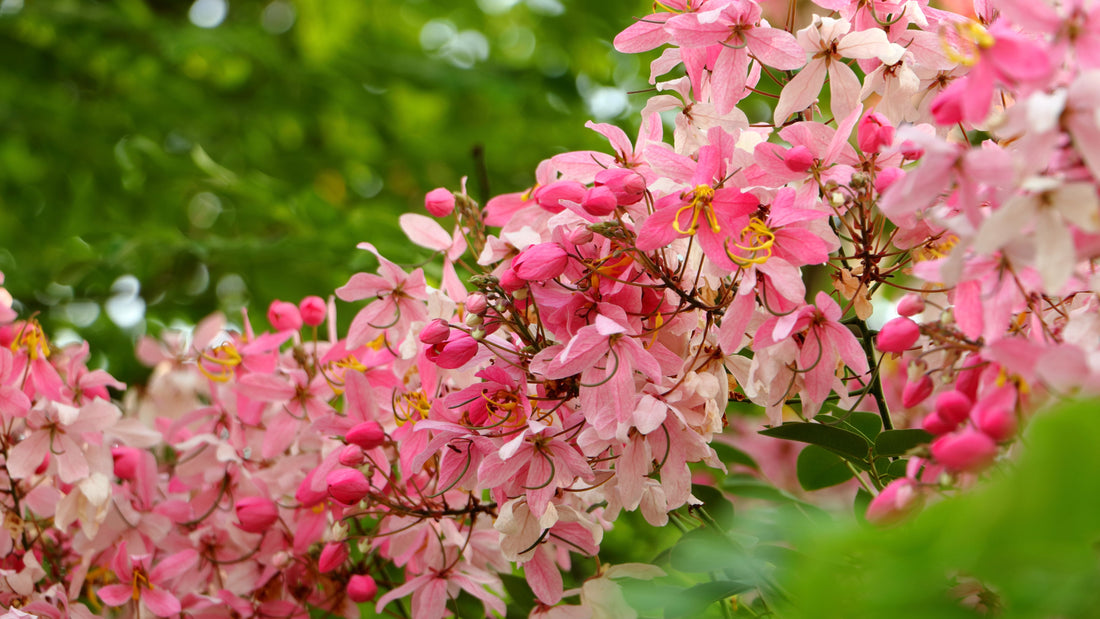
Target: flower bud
(916,391)
(899,498)
(599,201)
(965,451)
(936,425)
(473,320)
(306,495)
(476,303)
(284,316)
(332,557)
(127,460)
(313,310)
(361,588)
(540,262)
(435,332)
(579,236)
(366,435)
(549,196)
(799,159)
(874,133)
(911,151)
(511,282)
(996,422)
(887,177)
(352,456)
(453,354)
(256,514)
(898,335)
(348,486)
(953,407)
(439,202)
(627,185)
(911,305)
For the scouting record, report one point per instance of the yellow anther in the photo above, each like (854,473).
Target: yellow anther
(974,39)
(700,203)
(225,357)
(412,404)
(33,339)
(759,239)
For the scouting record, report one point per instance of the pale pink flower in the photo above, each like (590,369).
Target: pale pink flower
(400,298)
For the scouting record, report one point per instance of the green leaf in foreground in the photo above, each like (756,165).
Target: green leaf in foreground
(1028,535)
(847,443)
(820,468)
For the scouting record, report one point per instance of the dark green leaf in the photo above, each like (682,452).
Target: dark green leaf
(519,593)
(844,442)
(694,601)
(898,442)
(820,468)
(859,505)
(867,424)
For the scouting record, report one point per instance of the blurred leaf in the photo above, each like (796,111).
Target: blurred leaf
(693,601)
(716,504)
(704,550)
(820,468)
(731,455)
(867,424)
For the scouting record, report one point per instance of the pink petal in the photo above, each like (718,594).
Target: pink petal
(160,602)
(424,231)
(115,595)
(801,91)
(544,577)
(776,48)
(642,36)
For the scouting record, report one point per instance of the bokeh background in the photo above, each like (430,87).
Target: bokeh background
(163,159)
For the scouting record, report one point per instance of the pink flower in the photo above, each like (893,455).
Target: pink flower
(349,486)
(898,499)
(149,586)
(399,302)
(540,262)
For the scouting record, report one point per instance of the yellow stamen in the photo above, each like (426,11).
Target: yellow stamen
(700,203)
(225,357)
(759,240)
(974,39)
(412,404)
(33,339)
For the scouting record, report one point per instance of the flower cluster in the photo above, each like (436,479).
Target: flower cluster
(603,322)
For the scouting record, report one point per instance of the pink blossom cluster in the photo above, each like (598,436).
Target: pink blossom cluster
(585,337)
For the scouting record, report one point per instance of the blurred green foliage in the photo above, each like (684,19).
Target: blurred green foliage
(241,163)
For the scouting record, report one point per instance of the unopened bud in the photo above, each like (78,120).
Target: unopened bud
(898,335)
(256,514)
(332,557)
(440,202)
(313,310)
(361,588)
(348,486)
(284,316)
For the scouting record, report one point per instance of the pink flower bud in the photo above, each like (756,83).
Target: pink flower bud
(366,435)
(953,407)
(256,514)
(127,460)
(911,305)
(361,588)
(887,177)
(348,486)
(476,303)
(454,353)
(549,196)
(352,456)
(313,310)
(540,262)
(911,151)
(306,495)
(435,332)
(970,377)
(799,159)
(899,498)
(627,185)
(599,201)
(439,202)
(332,557)
(949,107)
(284,316)
(963,451)
(995,422)
(874,133)
(578,236)
(898,335)
(511,282)
(916,391)
(936,425)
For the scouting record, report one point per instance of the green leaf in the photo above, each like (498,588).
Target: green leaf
(820,468)
(519,593)
(847,443)
(867,424)
(859,505)
(731,455)
(898,442)
(692,602)
(717,505)
(704,550)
